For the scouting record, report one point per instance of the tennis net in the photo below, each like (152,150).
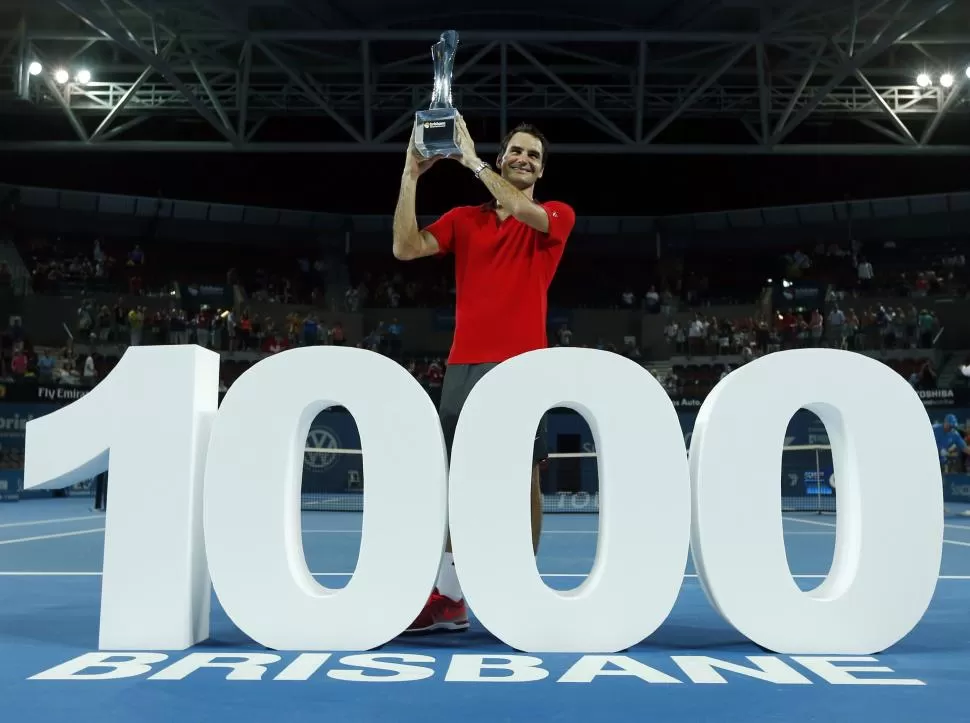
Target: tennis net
(333,478)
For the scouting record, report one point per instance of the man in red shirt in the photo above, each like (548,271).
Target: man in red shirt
(506,254)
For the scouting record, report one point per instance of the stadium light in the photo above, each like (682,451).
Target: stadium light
(83,76)
(61,76)
(968,71)
(923,80)
(35,68)
(946,80)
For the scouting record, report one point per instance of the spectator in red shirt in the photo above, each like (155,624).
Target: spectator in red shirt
(506,254)
(18,364)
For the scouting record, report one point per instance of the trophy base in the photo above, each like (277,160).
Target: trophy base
(436,132)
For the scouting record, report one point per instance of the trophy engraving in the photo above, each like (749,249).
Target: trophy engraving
(436,129)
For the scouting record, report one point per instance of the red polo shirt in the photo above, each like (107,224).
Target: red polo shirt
(502,276)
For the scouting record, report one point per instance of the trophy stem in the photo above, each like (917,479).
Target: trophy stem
(436,129)
(443,55)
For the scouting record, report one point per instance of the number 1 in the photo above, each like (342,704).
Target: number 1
(147,423)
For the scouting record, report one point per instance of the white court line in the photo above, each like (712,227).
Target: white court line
(809,522)
(51,521)
(347,574)
(50,574)
(832,524)
(51,537)
(548,532)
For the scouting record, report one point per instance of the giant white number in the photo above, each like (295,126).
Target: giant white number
(152,416)
(252,492)
(889,528)
(644,503)
(148,424)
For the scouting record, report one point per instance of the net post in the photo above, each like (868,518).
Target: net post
(818,484)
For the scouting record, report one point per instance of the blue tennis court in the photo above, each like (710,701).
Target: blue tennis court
(694,668)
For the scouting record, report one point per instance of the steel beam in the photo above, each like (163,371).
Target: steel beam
(767,30)
(857,19)
(697,92)
(148,58)
(242,89)
(13,41)
(311,93)
(126,126)
(367,84)
(58,94)
(881,102)
(871,51)
(408,115)
(764,99)
(503,100)
(645,78)
(955,93)
(645,149)
(119,22)
(523,36)
(483,96)
(129,94)
(891,135)
(640,90)
(23,60)
(800,88)
(207,87)
(855,27)
(605,122)
(348,70)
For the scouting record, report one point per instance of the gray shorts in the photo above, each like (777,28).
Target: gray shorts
(458,382)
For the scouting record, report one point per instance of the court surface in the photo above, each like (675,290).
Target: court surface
(50,559)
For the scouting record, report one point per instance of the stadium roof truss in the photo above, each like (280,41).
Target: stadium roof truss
(707,77)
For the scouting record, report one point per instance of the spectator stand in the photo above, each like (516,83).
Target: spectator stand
(807,315)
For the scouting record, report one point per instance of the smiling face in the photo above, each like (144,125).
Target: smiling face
(522,162)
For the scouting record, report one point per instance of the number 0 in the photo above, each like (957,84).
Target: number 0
(252,491)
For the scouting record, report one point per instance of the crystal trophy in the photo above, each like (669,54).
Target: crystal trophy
(436,129)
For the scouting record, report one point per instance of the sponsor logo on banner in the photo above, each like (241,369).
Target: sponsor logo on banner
(957,488)
(687,402)
(937,397)
(60,394)
(319,440)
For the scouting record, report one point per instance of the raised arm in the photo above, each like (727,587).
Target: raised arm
(409,241)
(520,206)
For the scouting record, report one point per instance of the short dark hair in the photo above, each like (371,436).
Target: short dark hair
(532,131)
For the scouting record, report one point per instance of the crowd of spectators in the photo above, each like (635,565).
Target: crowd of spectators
(915,269)
(708,347)
(79,264)
(211,327)
(723,344)
(654,282)
(876,328)
(590,281)
(657,282)
(692,278)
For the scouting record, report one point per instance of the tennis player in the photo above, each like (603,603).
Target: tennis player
(506,253)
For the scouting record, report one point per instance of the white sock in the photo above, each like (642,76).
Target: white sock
(448,578)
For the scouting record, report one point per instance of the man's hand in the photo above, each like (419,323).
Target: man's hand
(468,158)
(415,163)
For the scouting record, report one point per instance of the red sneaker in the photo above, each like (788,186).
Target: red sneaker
(440,613)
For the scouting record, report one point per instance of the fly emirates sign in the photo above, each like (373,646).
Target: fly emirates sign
(206,497)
